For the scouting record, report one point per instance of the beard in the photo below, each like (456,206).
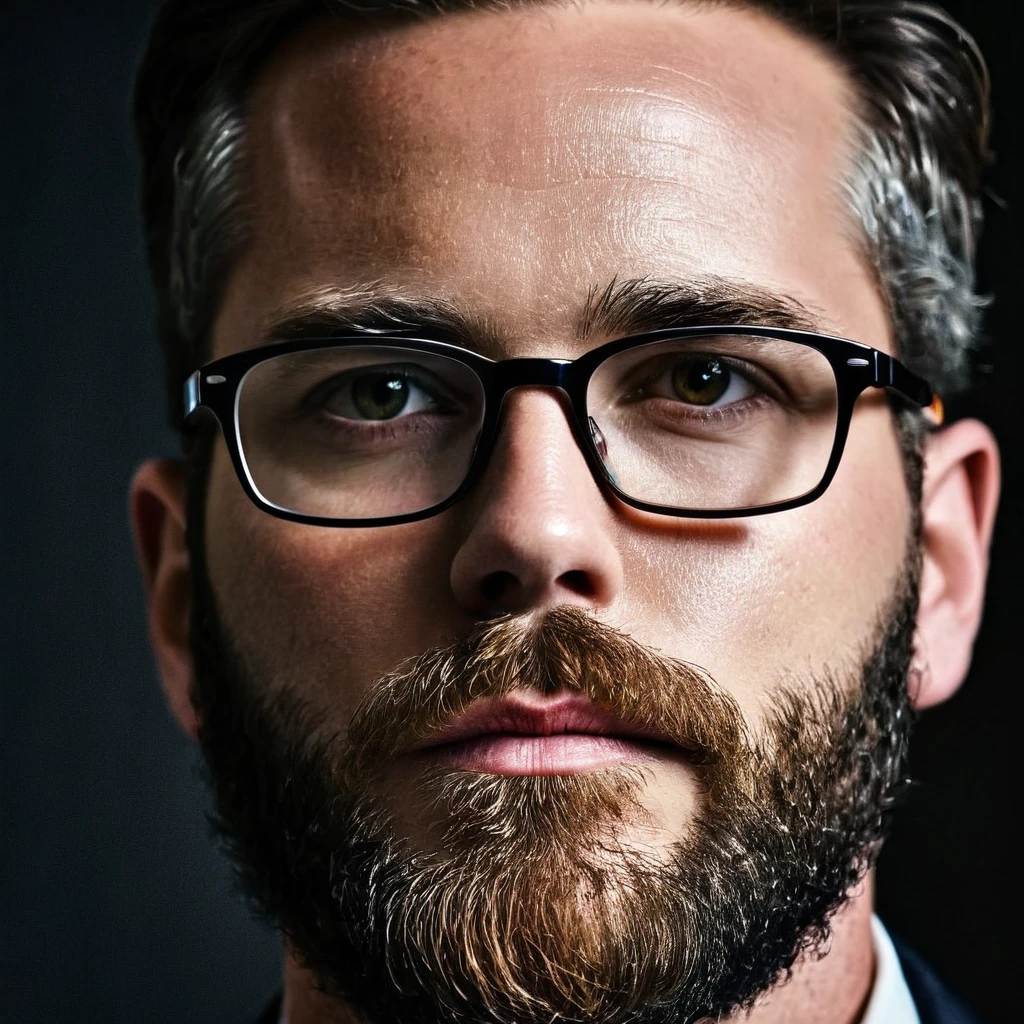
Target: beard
(535,905)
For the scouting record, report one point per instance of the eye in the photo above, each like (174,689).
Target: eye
(700,380)
(379,394)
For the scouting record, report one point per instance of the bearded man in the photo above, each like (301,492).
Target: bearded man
(567,533)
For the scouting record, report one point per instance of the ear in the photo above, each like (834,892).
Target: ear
(961,492)
(158,513)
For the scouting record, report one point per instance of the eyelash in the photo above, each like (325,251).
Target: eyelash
(755,378)
(324,391)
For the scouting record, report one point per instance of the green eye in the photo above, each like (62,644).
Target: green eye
(700,380)
(380,396)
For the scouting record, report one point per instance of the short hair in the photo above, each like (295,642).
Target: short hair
(913,186)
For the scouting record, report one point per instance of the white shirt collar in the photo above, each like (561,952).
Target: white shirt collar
(890,1002)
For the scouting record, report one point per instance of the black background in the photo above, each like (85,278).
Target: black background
(114,906)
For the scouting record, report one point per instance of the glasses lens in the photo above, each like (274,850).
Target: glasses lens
(715,423)
(358,432)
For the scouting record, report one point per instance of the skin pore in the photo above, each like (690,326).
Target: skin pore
(512,164)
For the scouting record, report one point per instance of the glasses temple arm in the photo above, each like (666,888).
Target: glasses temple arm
(891,373)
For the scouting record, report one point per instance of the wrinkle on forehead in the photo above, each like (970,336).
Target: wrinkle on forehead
(582,97)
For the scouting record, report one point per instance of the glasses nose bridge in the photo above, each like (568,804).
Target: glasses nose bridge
(549,374)
(537,373)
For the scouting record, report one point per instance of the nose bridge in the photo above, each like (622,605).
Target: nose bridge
(542,374)
(529,443)
(536,534)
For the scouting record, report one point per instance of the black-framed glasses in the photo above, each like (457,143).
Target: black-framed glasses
(699,422)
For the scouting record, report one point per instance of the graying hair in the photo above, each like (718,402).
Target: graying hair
(913,188)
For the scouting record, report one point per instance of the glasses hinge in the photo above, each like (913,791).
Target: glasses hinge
(883,370)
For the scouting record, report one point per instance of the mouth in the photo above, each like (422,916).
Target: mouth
(525,734)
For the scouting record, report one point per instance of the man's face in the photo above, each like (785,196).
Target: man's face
(513,165)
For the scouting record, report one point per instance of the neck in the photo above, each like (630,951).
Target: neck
(835,988)
(831,989)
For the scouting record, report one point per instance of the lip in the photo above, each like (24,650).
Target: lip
(520,735)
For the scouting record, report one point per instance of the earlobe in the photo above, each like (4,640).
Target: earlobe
(961,493)
(158,513)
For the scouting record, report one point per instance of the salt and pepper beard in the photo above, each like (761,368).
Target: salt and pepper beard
(535,907)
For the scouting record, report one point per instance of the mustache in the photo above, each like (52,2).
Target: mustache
(565,649)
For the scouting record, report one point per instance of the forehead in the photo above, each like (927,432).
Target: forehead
(511,161)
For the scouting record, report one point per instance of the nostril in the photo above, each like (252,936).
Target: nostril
(496,584)
(579,582)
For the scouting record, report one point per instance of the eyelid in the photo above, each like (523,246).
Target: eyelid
(417,374)
(755,375)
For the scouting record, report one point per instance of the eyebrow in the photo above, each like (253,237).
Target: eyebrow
(620,308)
(637,305)
(375,310)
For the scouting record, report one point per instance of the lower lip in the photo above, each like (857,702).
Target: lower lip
(561,754)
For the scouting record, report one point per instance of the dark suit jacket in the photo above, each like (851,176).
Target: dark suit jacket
(935,1003)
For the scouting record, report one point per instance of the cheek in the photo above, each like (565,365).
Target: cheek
(784,597)
(321,610)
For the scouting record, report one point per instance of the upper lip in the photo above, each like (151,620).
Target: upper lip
(571,713)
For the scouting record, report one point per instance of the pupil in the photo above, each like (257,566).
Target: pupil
(700,381)
(379,396)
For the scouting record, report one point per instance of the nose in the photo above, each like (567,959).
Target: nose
(538,531)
